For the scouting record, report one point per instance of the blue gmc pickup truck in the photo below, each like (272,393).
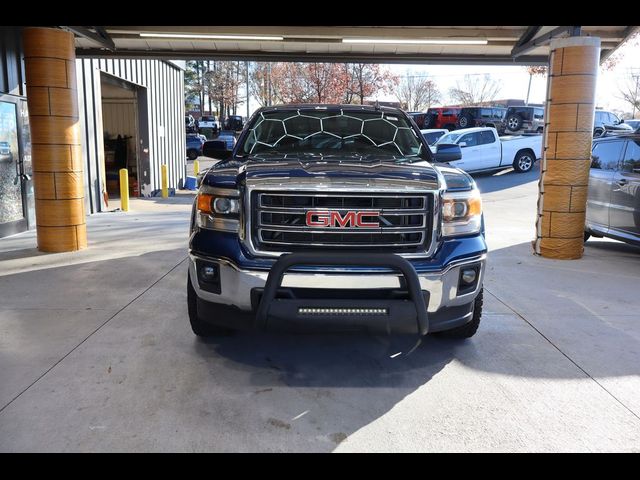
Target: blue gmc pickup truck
(332,218)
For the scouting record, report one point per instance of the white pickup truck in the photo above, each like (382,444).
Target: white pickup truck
(209,121)
(482,149)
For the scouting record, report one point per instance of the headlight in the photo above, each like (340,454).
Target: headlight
(461,213)
(226,206)
(218,209)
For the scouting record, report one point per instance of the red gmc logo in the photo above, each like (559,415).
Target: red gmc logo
(330,218)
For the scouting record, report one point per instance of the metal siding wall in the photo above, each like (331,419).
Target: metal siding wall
(12,79)
(165,92)
(82,109)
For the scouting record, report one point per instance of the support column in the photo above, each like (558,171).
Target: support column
(564,178)
(50,67)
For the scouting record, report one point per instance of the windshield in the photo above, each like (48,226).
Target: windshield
(449,138)
(332,132)
(432,137)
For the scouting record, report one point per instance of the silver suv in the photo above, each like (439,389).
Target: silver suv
(613,200)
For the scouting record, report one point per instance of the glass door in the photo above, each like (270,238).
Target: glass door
(13,181)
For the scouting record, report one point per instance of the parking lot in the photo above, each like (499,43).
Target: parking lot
(97,353)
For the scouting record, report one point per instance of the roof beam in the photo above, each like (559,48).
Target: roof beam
(100,35)
(543,39)
(529,33)
(331,57)
(627,34)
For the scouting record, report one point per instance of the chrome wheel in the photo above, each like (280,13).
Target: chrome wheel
(525,162)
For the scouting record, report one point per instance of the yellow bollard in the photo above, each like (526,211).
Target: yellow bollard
(196,167)
(165,182)
(124,190)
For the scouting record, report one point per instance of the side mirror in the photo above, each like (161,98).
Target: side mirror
(216,149)
(462,144)
(447,152)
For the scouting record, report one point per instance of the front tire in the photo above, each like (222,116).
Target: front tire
(200,327)
(192,154)
(467,330)
(523,162)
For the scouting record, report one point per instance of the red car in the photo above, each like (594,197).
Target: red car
(442,117)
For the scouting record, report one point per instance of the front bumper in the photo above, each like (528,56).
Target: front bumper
(241,288)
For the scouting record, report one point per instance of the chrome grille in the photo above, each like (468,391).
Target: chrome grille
(279,221)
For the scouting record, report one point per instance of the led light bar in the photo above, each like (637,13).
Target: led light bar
(203,36)
(342,311)
(415,41)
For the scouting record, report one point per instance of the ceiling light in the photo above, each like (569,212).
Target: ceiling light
(414,41)
(211,37)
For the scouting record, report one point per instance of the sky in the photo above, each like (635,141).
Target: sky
(514,80)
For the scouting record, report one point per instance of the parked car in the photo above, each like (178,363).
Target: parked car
(432,135)
(441,117)
(195,142)
(229,137)
(529,119)
(605,121)
(613,198)
(5,152)
(481,117)
(634,124)
(484,150)
(233,122)
(211,122)
(296,201)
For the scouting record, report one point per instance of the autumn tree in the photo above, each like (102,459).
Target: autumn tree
(366,80)
(223,82)
(260,86)
(474,89)
(417,93)
(534,71)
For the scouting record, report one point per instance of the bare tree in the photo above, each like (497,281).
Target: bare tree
(629,91)
(417,93)
(475,89)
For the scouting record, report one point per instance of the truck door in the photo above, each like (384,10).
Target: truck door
(604,162)
(624,214)
(470,152)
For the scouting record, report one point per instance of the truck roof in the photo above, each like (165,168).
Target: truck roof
(472,129)
(329,106)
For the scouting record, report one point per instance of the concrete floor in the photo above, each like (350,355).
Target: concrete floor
(97,353)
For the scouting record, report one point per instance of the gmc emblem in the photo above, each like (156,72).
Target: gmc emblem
(331,218)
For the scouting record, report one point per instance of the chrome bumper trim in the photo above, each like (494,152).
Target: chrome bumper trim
(236,283)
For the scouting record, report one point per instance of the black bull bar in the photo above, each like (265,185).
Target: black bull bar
(349,311)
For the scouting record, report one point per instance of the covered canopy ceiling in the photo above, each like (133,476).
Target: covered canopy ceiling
(497,45)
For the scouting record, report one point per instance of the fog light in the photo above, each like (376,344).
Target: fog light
(469,275)
(208,273)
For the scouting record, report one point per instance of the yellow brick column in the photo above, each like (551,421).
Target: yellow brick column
(562,199)
(50,67)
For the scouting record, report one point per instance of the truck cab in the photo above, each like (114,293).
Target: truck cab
(335,217)
(484,150)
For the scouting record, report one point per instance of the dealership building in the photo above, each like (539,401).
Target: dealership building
(83,119)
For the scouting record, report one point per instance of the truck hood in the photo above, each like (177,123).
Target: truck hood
(335,174)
